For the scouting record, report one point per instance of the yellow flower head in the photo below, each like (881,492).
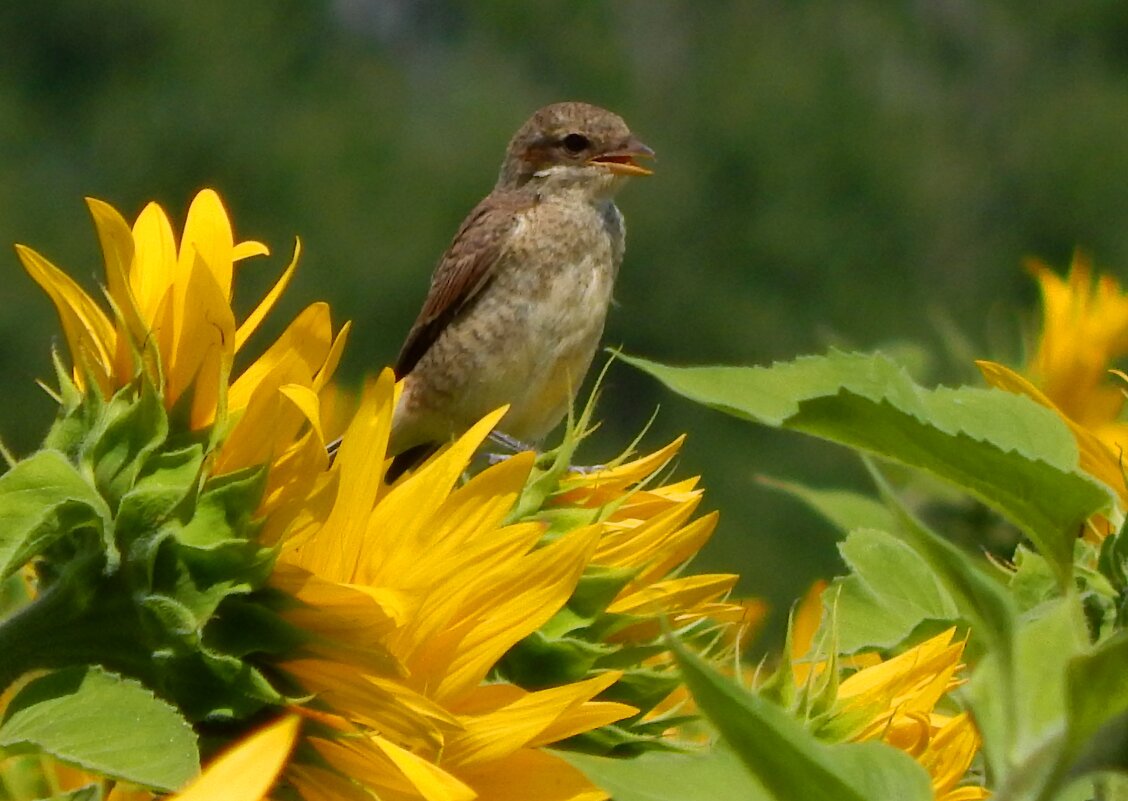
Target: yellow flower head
(1084,330)
(170,314)
(392,619)
(414,592)
(894,700)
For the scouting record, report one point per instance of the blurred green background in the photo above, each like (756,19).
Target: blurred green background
(865,174)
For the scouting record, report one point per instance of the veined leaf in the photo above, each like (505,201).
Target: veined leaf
(103,723)
(713,775)
(786,759)
(1009,452)
(891,590)
(42,499)
(979,596)
(844,509)
(1020,709)
(1097,702)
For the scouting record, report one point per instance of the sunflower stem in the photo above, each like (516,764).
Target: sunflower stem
(73,623)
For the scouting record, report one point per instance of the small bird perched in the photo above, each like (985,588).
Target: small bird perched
(517,303)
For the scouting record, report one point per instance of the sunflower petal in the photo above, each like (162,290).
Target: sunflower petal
(247,771)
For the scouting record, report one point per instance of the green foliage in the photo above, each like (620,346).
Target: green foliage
(1045,630)
(716,774)
(43,500)
(140,566)
(103,723)
(1003,449)
(890,591)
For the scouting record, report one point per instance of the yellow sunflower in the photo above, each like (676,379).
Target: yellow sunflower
(1084,331)
(391,619)
(170,317)
(893,700)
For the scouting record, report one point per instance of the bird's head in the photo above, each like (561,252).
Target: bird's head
(573,144)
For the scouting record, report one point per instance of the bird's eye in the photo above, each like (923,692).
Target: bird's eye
(576,143)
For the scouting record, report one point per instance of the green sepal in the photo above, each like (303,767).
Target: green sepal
(131,426)
(597,589)
(642,688)
(210,686)
(166,482)
(225,509)
(623,743)
(1113,559)
(78,412)
(541,660)
(789,761)
(44,500)
(249,626)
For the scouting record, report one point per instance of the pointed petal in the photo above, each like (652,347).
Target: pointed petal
(88,332)
(117,250)
(247,771)
(321,380)
(249,325)
(245,250)
(318,784)
(380,764)
(387,706)
(206,336)
(410,505)
(208,237)
(499,610)
(154,261)
(308,338)
(332,554)
(529,774)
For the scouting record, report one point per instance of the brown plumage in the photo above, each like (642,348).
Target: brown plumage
(517,303)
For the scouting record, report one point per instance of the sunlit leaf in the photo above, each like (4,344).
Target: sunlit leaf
(787,760)
(42,499)
(1005,450)
(103,723)
(891,589)
(716,774)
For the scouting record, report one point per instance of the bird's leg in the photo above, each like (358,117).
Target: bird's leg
(511,444)
(514,445)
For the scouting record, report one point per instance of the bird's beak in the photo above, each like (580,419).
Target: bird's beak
(622,161)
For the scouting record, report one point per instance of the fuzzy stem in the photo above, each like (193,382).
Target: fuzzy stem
(73,622)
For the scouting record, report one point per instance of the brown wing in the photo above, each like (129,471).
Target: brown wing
(463,271)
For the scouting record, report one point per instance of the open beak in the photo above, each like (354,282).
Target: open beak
(622,161)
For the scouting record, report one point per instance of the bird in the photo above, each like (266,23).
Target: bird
(517,303)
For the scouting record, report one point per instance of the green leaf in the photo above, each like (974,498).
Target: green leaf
(787,759)
(713,775)
(979,595)
(43,499)
(1021,709)
(843,509)
(1097,702)
(103,723)
(890,591)
(1009,452)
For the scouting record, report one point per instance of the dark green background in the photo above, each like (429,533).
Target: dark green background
(866,174)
